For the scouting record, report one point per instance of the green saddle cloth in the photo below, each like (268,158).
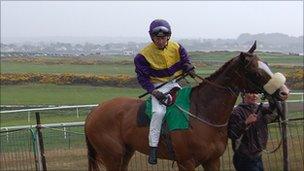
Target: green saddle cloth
(176,119)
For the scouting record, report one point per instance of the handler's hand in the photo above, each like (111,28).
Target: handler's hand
(251,119)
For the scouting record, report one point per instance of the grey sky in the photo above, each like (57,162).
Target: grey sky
(195,19)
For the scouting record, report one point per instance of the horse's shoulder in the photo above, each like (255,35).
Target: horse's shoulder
(126,100)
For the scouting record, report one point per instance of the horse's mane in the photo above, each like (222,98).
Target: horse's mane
(220,70)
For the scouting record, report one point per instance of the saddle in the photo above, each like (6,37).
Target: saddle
(144,121)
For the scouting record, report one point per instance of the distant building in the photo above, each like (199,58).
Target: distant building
(294,54)
(128,52)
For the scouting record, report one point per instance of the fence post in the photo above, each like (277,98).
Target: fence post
(284,137)
(29,116)
(64,132)
(35,150)
(6,134)
(40,142)
(77,112)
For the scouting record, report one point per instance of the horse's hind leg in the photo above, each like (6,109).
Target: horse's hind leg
(117,162)
(213,165)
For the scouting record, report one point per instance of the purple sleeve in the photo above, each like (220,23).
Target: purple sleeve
(143,70)
(184,57)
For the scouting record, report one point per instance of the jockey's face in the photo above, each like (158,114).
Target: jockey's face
(251,98)
(160,42)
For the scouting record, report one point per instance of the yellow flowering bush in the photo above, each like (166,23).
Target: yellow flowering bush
(68,79)
(295,79)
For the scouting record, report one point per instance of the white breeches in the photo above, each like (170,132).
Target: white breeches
(158,113)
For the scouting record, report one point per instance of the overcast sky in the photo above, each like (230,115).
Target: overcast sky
(195,19)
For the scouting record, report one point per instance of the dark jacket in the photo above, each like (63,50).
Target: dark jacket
(250,140)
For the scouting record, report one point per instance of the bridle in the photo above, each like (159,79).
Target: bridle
(231,91)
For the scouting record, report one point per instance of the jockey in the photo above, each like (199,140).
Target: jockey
(159,62)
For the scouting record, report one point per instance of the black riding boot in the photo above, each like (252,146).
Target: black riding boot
(153,155)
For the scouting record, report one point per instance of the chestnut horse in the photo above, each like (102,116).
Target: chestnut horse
(112,133)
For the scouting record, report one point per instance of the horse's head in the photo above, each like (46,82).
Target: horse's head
(257,76)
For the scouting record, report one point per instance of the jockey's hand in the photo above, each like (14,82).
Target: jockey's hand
(189,68)
(158,95)
(192,73)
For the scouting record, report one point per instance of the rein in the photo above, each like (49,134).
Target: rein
(215,85)
(280,116)
(210,82)
(200,119)
(279,111)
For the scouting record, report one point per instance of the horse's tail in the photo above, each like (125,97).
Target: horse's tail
(92,162)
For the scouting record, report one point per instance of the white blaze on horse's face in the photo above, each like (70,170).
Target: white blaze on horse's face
(264,67)
(277,80)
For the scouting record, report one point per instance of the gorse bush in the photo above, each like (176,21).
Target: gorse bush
(67,60)
(294,79)
(68,79)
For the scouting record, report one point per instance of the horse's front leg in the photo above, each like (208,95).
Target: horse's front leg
(212,165)
(183,152)
(187,165)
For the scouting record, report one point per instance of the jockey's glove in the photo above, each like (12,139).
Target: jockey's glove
(159,95)
(189,68)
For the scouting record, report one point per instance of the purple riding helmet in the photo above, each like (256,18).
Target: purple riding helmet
(159,28)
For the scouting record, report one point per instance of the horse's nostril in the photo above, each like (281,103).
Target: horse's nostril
(282,93)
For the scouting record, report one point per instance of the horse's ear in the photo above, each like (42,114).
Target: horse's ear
(253,47)
(244,57)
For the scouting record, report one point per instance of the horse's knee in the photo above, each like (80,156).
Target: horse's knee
(213,165)
(186,165)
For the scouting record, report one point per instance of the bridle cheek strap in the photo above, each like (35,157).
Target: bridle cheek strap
(276,82)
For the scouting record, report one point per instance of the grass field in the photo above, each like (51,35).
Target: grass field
(271,58)
(65,95)
(107,69)
(62,94)
(124,64)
